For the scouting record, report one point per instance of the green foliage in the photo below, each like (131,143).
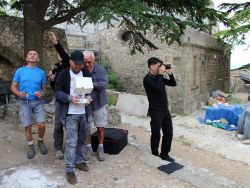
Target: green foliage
(233,100)
(114,82)
(247,66)
(167,19)
(239,23)
(111,100)
(3,4)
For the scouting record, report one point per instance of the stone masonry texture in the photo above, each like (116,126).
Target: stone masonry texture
(12,48)
(198,64)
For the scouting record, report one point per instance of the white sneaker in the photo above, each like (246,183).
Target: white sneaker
(59,155)
(246,142)
(241,136)
(87,153)
(100,154)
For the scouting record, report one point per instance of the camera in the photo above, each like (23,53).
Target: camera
(167,66)
(55,70)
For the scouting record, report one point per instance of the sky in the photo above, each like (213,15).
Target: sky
(240,55)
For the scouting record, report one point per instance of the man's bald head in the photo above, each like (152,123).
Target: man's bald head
(89,60)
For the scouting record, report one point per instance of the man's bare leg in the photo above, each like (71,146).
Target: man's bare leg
(41,132)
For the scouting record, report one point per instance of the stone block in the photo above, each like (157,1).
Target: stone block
(133,104)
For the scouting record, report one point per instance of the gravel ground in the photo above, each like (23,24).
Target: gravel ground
(212,158)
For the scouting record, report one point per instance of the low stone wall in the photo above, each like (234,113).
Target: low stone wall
(10,113)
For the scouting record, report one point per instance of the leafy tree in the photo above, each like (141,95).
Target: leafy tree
(165,19)
(239,23)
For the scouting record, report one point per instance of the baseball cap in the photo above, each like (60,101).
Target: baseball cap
(153,61)
(77,56)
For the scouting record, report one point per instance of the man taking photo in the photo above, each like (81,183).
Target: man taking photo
(154,83)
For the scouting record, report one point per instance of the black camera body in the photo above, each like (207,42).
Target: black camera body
(167,66)
(55,70)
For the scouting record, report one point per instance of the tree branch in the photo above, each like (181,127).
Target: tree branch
(57,20)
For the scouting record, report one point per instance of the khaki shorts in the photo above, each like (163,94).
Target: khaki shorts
(100,117)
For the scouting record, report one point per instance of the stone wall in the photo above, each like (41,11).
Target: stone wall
(198,64)
(76,41)
(12,44)
(12,48)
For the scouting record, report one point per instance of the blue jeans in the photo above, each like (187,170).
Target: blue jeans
(76,138)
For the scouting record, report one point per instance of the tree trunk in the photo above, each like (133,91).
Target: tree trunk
(34,11)
(33,39)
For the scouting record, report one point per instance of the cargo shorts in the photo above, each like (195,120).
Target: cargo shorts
(29,109)
(100,117)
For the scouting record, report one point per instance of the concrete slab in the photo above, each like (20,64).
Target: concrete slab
(132,104)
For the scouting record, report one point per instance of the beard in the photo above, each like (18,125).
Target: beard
(76,71)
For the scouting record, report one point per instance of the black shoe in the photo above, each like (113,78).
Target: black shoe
(42,147)
(155,153)
(31,152)
(71,177)
(167,158)
(83,167)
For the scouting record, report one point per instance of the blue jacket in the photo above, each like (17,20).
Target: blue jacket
(100,82)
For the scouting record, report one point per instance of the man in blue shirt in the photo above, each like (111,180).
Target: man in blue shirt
(29,85)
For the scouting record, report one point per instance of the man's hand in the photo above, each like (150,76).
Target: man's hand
(22,95)
(39,94)
(162,69)
(88,97)
(75,100)
(51,76)
(52,38)
(169,71)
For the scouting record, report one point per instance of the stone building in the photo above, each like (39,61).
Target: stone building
(199,65)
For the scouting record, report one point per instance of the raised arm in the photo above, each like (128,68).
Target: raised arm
(60,50)
(171,81)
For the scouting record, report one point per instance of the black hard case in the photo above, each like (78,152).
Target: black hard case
(114,141)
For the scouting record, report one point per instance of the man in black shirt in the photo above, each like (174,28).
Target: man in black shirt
(53,74)
(154,83)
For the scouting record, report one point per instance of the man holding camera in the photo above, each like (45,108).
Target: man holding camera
(154,83)
(73,114)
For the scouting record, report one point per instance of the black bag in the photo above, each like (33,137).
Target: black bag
(114,140)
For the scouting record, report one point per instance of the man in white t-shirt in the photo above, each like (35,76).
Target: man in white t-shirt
(73,115)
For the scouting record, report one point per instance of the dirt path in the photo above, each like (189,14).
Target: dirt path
(133,167)
(215,163)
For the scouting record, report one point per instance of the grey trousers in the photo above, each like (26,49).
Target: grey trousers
(58,129)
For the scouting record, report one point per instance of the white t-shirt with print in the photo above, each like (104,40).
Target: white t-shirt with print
(75,108)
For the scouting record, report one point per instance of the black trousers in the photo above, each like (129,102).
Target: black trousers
(161,120)
(58,129)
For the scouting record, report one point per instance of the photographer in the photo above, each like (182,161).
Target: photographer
(154,84)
